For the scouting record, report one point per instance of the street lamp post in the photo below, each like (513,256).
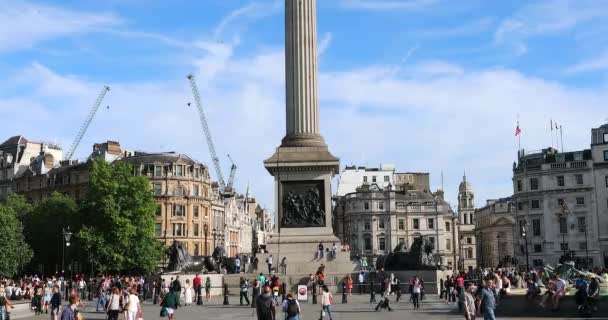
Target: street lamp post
(481,248)
(586,246)
(524,234)
(206,230)
(460,253)
(67,235)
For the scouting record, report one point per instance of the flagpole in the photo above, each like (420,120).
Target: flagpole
(551,125)
(561,135)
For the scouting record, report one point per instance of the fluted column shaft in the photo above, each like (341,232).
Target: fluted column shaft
(301,69)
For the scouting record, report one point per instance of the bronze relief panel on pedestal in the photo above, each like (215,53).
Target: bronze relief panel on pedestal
(302,204)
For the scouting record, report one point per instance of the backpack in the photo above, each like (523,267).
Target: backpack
(292,308)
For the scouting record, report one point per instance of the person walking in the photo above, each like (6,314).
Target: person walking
(55,303)
(384,301)
(269,263)
(115,304)
(134,306)
(265,306)
(291,308)
(361,279)
(488,302)
(244,284)
(171,303)
(416,288)
(284,265)
(237,265)
(327,299)
(255,292)
(208,289)
(349,285)
(187,294)
(5,304)
(197,283)
(469,302)
(70,312)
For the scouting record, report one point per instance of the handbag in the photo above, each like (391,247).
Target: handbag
(164,312)
(140,316)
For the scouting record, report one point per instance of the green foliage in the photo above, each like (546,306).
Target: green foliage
(44,225)
(118,220)
(14,251)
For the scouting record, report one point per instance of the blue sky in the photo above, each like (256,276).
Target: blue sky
(429,85)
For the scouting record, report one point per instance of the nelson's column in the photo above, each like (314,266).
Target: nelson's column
(302,165)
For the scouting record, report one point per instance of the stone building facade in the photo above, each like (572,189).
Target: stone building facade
(494,225)
(376,220)
(466,226)
(561,199)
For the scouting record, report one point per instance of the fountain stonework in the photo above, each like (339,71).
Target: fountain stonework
(303,166)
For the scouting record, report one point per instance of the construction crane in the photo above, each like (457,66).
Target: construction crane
(87,122)
(225,190)
(231,177)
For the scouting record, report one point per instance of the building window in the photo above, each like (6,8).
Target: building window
(605,155)
(447,226)
(178,210)
(416,224)
(367,225)
(536,227)
(158,230)
(196,190)
(386,179)
(579,178)
(560,202)
(195,211)
(195,229)
(179,229)
(563,225)
(538,247)
(381,205)
(563,246)
(469,253)
(448,244)
(159,210)
(364,178)
(432,240)
(158,171)
(366,205)
(197,172)
(534,184)
(382,244)
(519,185)
(582,224)
(605,137)
(537,262)
(560,181)
(431,223)
(179,191)
(580,201)
(381,224)
(520,206)
(196,249)
(179,171)
(401,240)
(158,189)
(401,224)
(469,240)
(522,249)
(582,245)
(535,204)
(368,243)
(373,178)
(606,178)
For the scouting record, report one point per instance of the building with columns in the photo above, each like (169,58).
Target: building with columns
(374,220)
(466,226)
(561,201)
(494,225)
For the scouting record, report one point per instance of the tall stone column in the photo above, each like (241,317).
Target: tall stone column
(301,73)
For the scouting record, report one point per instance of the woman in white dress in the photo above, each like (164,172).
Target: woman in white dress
(188,293)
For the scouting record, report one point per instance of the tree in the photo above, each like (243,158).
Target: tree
(119,219)
(43,230)
(14,251)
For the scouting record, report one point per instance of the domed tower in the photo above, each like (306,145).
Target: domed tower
(466,225)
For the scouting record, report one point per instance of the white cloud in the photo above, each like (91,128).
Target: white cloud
(548,17)
(325,42)
(597,63)
(26,24)
(251,10)
(387,4)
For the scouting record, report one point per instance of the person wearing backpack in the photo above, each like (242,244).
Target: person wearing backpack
(291,308)
(265,307)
